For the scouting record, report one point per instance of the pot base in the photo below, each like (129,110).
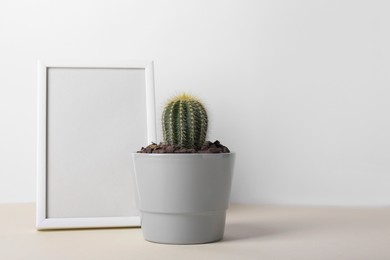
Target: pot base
(183,228)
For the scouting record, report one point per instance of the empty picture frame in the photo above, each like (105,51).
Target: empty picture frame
(91,117)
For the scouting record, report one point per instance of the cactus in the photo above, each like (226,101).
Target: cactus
(184,122)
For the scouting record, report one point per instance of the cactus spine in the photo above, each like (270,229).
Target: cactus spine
(184,122)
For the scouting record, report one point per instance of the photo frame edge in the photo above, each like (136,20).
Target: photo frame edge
(150,103)
(41,145)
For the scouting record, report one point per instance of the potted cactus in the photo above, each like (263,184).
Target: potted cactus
(183,183)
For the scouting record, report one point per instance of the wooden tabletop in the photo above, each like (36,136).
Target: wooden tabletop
(252,232)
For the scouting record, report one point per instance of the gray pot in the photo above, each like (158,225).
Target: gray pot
(183,198)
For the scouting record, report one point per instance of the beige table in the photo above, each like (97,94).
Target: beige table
(252,232)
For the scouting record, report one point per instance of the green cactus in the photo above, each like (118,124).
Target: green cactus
(184,122)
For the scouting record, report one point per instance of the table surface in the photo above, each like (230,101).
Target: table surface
(252,232)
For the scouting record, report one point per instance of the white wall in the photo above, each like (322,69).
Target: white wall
(299,89)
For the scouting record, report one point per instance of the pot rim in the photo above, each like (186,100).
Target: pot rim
(217,155)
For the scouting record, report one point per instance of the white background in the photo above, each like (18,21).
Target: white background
(299,89)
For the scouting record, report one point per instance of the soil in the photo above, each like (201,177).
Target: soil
(208,147)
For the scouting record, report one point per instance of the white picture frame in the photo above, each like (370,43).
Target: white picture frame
(91,116)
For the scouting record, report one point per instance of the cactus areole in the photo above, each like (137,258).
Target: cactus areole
(184,122)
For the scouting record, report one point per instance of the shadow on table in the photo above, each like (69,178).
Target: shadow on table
(242,231)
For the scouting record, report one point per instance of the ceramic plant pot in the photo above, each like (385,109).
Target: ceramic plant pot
(183,198)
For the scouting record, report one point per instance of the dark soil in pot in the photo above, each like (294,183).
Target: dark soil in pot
(208,147)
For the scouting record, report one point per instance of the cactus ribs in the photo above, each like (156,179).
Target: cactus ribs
(208,147)
(184,125)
